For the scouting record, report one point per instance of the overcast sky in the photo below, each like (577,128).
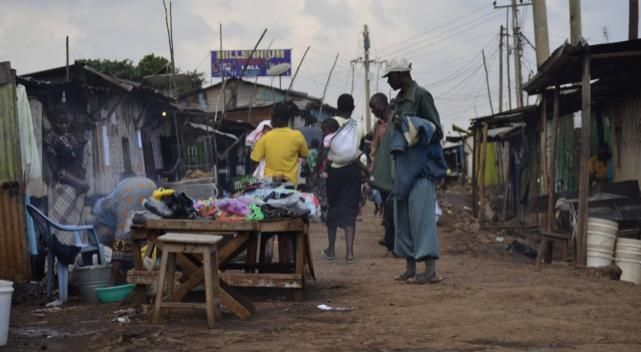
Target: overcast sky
(442,38)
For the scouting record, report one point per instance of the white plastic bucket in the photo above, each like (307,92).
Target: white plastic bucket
(629,255)
(602,234)
(630,270)
(628,258)
(629,244)
(6,291)
(604,225)
(598,258)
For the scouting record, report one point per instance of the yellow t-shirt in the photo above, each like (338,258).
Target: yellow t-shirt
(281,148)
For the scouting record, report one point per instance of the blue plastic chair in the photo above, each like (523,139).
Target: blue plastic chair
(86,249)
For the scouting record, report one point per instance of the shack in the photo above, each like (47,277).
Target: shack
(603,82)
(125,125)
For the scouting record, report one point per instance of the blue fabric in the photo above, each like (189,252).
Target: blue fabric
(416,234)
(423,160)
(31,232)
(116,209)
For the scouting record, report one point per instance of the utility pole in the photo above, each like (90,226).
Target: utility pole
(487,82)
(633,24)
(516,35)
(517,54)
(575,21)
(353,62)
(501,69)
(541,38)
(507,59)
(366,62)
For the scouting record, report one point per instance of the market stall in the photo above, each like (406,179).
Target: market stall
(244,221)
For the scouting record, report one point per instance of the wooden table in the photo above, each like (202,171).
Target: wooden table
(239,236)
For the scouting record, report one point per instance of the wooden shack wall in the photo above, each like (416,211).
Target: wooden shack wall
(625,113)
(117,126)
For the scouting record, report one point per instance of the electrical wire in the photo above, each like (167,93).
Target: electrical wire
(443,25)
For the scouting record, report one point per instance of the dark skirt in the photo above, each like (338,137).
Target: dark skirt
(343,196)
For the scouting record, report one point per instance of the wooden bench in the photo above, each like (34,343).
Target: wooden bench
(173,244)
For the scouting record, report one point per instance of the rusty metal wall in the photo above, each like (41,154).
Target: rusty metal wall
(14,256)
(626,136)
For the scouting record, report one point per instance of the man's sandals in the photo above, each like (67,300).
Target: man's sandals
(422,278)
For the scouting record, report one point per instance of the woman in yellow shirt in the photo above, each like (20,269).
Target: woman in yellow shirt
(281,147)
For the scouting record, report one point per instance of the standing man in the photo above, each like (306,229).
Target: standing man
(416,237)
(381,166)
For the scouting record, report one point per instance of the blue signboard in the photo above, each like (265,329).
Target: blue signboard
(230,63)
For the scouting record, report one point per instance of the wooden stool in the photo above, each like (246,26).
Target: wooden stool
(174,243)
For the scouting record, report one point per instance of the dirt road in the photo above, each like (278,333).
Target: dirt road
(490,300)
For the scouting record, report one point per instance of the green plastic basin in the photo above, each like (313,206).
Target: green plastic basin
(114,293)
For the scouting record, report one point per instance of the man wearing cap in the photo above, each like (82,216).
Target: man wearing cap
(416,238)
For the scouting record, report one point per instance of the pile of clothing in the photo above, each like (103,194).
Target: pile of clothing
(261,201)
(168,204)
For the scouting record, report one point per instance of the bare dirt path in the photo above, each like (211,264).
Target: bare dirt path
(490,300)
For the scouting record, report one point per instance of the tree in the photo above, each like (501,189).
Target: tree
(149,65)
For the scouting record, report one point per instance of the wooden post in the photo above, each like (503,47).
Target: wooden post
(552,173)
(633,25)
(487,83)
(507,60)
(575,21)
(584,189)
(67,65)
(540,20)
(501,69)
(291,82)
(482,175)
(543,160)
(475,179)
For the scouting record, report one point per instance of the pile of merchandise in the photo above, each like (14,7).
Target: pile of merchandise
(265,200)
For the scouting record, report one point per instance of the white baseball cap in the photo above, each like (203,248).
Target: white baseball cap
(398,64)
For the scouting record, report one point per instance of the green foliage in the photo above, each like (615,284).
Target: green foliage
(120,68)
(149,65)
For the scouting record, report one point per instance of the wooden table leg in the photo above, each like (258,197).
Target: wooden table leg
(136,252)
(541,256)
(141,292)
(171,275)
(300,264)
(308,255)
(210,277)
(161,287)
(235,302)
(252,250)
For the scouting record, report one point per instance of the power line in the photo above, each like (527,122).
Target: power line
(469,26)
(433,29)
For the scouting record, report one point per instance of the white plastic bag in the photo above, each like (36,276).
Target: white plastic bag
(343,148)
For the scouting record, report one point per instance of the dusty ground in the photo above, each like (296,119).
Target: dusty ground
(491,300)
